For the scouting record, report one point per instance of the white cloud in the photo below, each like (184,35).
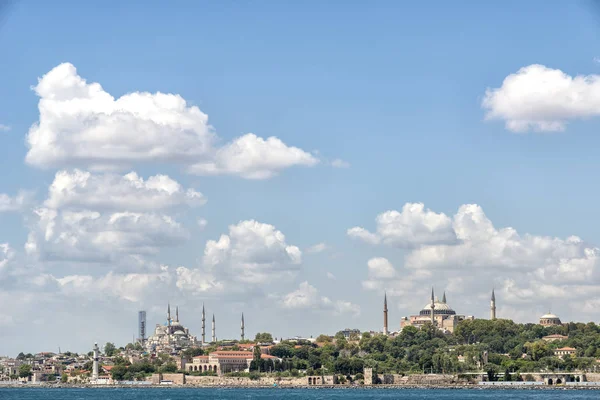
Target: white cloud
(6,254)
(307,297)
(317,248)
(133,287)
(198,281)
(596,60)
(252,252)
(542,99)
(84,190)
(4,128)
(339,163)
(202,223)
(412,227)
(253,157)
(527,270)
(17,203)
(89,236)
(81,125)
(380,268)
(331,276)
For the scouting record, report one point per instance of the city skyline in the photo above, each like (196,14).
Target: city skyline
(194,156)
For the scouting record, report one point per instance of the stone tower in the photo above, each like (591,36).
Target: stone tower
(385,315)
(95,362)
(493,306)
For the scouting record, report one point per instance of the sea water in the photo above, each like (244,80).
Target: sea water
(291,394)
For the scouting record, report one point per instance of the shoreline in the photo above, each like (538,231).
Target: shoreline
(320,387)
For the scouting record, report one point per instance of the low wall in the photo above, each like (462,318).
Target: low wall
(418,379)
(239,381)
(177,379)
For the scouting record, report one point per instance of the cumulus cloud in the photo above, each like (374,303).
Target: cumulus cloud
(542,99)
(84,190)
(82,125)
(16,203)
(132,287)
(252,252)
(331,276)
(381,268)
(4,128)
(6,254)
(317,248)
(308,297)
(253,157)
(413,226)
(524,268)
(90,236)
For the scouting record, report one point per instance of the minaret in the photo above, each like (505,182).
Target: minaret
(432,308)
(177,313)
(444,297)
(493,306)
(242,326)
(203,325)
(95,362)
(214,338)
(169,318)
(385,314)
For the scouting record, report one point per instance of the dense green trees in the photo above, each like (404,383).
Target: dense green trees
(110,349)
(263,337)
(25,371)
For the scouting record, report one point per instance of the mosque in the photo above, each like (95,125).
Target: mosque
(439,314)
(172,334)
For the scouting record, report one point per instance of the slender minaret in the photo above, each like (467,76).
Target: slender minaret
(169,318)
(242,326)
(95,362)
(177,313)
(493,306)
(385,314)
(203,325)
(444,297)
(214,338)
(432,308)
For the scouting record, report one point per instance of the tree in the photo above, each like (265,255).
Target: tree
(263,337)
(323,339)
(21,356)
(282,351)
(64,378)
(25,371)
(118,372)
(110,349)
(169,367)
(192,352)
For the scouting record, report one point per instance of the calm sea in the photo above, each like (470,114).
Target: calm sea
(294,394)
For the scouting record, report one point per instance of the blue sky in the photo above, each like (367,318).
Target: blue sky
(394,89)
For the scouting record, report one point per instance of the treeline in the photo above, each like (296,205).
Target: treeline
(495,346)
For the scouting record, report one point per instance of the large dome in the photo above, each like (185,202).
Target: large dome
(440,308)
(549,316)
